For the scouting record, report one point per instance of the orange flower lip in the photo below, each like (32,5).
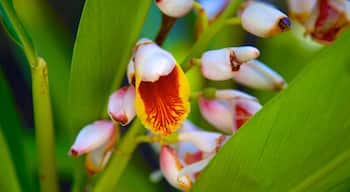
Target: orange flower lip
(164,108)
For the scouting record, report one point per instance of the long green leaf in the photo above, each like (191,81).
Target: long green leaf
(8,177)
(107,32)
(300,141)
(11,130)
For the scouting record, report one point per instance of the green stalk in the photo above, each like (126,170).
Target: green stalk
(44,127)
(8,177)
(41,98)
(120,159)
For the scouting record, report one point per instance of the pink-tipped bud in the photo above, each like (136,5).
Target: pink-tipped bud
(243,110)
(207,142)
(263,20)
(171,165)
(221,64)
(300,10)
(217,112)
(151,61)
(256,75)
(121,105)
(92,137)
(97,159)
(175,8)
(327,20)
(230,110)
(131,71)
(213,8)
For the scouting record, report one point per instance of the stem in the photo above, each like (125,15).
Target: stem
(8,177)
(11,19)
(192,63)
(120,159)
(167,24)
(202,19)
(41,100)
(157,138)
(233,21)
(44,127)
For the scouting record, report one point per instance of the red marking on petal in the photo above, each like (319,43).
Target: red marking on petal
(193,157)
(123,119)
(329,22)
(73,153)
(242,115)
(163,105)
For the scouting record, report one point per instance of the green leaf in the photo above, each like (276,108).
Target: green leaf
(107,32)
(300,141)
(11,130)
(8,178)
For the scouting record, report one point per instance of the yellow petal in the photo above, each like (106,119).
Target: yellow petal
(163,105)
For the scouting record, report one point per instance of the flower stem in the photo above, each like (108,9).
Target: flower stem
(167,24)
(120,159)
(202,19)
(44,127)
(233,21)
(41,98)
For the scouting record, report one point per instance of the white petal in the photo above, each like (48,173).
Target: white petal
(92,137)
(222,63)
(121,105)
(301,6)
(131,71)
(151,62)
(263,20)
(347,10)
(207,142)
(256,75)
(218,113)
(230,94)
(170,165)
(195,167)
(213,7)
(175,8)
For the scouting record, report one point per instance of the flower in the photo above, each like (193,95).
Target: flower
(257,75)
(97,141)
(222,63)
(162,90)
(263,20)
(229,110)
(175,8)
(195,149)
(121,105)
(323,19)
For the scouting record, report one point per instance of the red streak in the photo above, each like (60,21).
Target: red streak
(162,102)
(242,115)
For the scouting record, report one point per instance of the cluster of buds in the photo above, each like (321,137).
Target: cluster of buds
(158,94)
(258,18)
(323,19)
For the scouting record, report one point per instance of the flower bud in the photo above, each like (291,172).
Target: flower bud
(121,105)
(213,8)
(208,142)
(263,20)
(327,20)
(256,75)
(92,137)
(175,8)
(301,9)
(97,159)
(196,167)
(221,64)
(171,165)
(217,112)
(230,110)
(131,71)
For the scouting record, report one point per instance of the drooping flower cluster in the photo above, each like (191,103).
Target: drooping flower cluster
(159,95)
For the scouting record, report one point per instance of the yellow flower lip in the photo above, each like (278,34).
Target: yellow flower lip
(162,90)
(163,105)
